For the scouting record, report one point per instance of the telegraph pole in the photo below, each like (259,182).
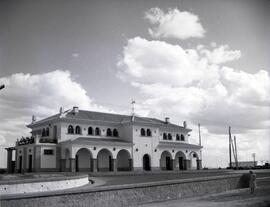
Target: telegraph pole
(236,158)
(230,152)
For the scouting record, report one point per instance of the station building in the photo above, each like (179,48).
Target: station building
(79,140)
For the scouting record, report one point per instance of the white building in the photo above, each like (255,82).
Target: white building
(78,140)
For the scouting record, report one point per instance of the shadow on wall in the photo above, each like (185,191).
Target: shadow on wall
(244,181)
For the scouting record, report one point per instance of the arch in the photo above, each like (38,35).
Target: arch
(109,132)
(97,131)
(182,137)
(77,130)
(123,160)
(180,158)
(148,133)
(177,137)
(47,132)
(115,133)
(104,160)
(164,136)
(70,129)
(169,136)
(193,156)
(43,133)
(142,132)
(90,131)
(83,160)
(166,162)
(146,162)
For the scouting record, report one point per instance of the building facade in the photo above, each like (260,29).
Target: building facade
(78,140)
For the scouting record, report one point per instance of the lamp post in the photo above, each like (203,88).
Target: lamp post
(254,155)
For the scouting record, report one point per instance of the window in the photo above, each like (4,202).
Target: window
(109,132)
(43,133)
(90,130)
(70,129)
(148,133)
(177,137)
(142,132)
(182,137)
(77,130)
(48,152)
(164,136)
(97,131)
(115,133)
(169,136)
(47,132)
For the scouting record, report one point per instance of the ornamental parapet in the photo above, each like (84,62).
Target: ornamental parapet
(35,140)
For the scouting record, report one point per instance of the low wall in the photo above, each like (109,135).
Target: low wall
(35,185)
(128,195)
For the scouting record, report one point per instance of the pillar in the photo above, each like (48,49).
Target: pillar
(199,164)
(187,164)
(94,165)
(63,165)
(174,164)
(72,164)
(9,160)
(130,162)
(114,165)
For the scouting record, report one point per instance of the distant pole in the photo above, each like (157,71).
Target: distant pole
(230,152)
(236,157)
(200,139)
(133,107)
(2,86)
(254,155)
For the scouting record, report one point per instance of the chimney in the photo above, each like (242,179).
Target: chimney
(185,124)
(61,110)
(33,118)
(167,120)
(75,109)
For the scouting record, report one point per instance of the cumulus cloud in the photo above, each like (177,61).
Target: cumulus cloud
(38,94)
(194,85)
(174,23)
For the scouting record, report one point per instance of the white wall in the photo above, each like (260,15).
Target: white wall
(48,161)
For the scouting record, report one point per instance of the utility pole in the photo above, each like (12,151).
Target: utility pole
(200,140)
(230,152)
(236,158)
(254,155)
(133,107)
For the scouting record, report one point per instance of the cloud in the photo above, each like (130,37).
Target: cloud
(38,94)
(174,24)
(188,84)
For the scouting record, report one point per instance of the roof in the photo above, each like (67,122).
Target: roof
(106,117)
(99,141)
(179,145)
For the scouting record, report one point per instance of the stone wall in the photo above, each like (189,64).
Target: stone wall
(129,195)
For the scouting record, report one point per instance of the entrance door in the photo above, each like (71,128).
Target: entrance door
(146,163)
(20,164)
(168,163)
(110,164)
(181,163)
(30,163)
(77,163)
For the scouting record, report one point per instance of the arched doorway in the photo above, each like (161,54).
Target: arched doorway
(180,161)
(123,161)
(146,162)
(104,160)
(83,160)
(193,159)
(166,161)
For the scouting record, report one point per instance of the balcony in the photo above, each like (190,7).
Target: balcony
(35,140)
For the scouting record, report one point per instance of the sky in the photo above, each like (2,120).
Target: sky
(202,62)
